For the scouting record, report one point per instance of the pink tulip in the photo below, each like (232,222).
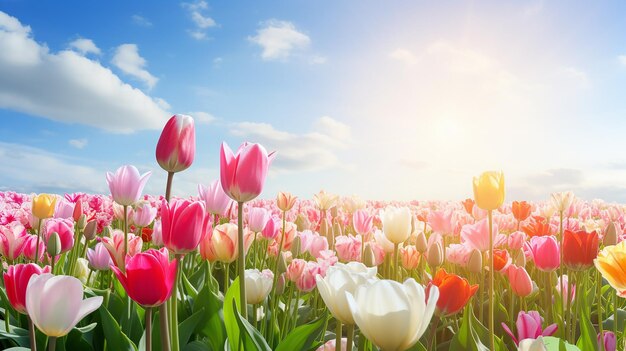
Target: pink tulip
(568,290)
(30,248)
(545,252)
(313,243)
(64,209)
(441,222)
(12,238)
(149,277)
(65,229)
(78,209)
(529,327)
(609,340)
(115,246)
(348,248)
(16,280)
(215,199)
(183,223)
(257,218)
(243,174)
(206,249)
(516,240)
(520,281)
(144,214)
(177,144)
(272,229)
(458,254)
(99,257)
(127,184)
(295,269)
(306,282)
(157,233)
(476,236)
(331,345)
(363,223)
(410,257)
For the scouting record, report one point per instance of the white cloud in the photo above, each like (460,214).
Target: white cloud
(405,56)
(127,59)
(622,59)
(201,21)
(202,117)
(78,143)
(279,39)
(575,75)
(310,151)
(141,21)
(318,60)
(67,87)
(85,46)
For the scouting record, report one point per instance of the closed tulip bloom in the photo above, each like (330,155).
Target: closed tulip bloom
(215,199)
(43,206)
(126,184)
(99,257)
(183,223)
(63,209)
(434,255)
(363,222)
(243,174)
(176,148)
(579,249)
(64,228)
(393,316)
(257,218)
(206,249)
(55,303)
(611,262)
(348,247)
(396,223)
(608,339)
(339,280)
(529,327)
(516,240)
(258,285)
(16,281)
(144,214)
(468,205)
(115,246)
(272,228)
(30,248)
(325,201)
(285,201)
(454,292)
(489,190)
(520,281)
(306,282)
(12,241)
(149,277)
(532,345)
(562,201)
(225,242)
(521,210)
(545,251)
(501,260)
(410,257)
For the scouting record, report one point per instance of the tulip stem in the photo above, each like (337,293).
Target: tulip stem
(149,329)
(165,334)
(492,340)
(226,276)
(350,336)
(241,262)
(561,262)
(168,186)
(433,333)
(52,343)
(397,259)
(615,312)
(125,236)
(38,239)
(174,302)
(31,334)
(338,335)
(600,304)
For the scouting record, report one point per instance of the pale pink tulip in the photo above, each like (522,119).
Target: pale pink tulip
(12,240)
(243,174)
(442,222)
(99,257)
(225,242)
(520,281)
(257,218)
(477,235)
(348,248)
(362,222)
(215,199)
(127,184)
(143,214)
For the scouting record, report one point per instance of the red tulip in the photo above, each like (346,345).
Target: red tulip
(538,226)
(454,292)
(177,145)
(579,249)
(243,174)
(183,224)
(149,277)
(16,281)
(521,210)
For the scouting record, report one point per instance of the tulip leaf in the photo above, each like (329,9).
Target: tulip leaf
(87,328)
(555,344)
(191,291)
(211,324)
(304,337)
(466,339)
(197,346)
(621,317)
(417,347)
(75,340)
(588,337)
(17,348)
(232,328)
(18,335)
(252,339)
(188,326)
(483,333)
(116,339)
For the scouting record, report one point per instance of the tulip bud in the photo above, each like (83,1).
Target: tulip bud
(282,264)
(82,221)
(326,230)
(337,230)
(610,234)
(369,258)
(53,246)
(82,270)
(475,262)
(176,148)
(280,284)
(295,246)
(333,212)
(421,243)
(78,210)
(107,231)
(520,258)
(90,230)
(434,257)
(285,201)
(302,223)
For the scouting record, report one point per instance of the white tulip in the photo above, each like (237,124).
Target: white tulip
(391,315)
(532,345)
(258,285)
(562,201)
(396,223)
(342,278)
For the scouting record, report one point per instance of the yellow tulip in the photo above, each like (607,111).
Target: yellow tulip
(611,262)
(43,205)
(489,190)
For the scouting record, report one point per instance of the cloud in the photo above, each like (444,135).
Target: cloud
(67,87)
(127,59)
(404,56)
(85,46)
(279,40)
(318,60)
(622,59)
(310,151)
(575,75)
(202,117)
(78,143)
(200,20)
(141,21)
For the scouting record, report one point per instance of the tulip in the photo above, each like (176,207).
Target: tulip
(441,222)
(520,281)
(306,282)
(434,255)
(538,226)
(126,184)
(568,289)
(177,144)
(64,228)
(468,205)
(257,218)
(489,190)
(144,214)
(396,223)
(115,246)
(397,321)
(501,260)
(529,327)
(348,247)
(226,242)
(33,248)
(611,262)
(562,201)
(532,345)
(579,249)
(325,201)
(477,236)
(243,174)
(516,240)
(99,257)
(215,199)
(43,206)
(410,257)
(454,292)
(521,210)
(55,303)
(331,345)
(363,223)
(16,281)
(12,241)
(545,251)
(272,228)
(206,249)
(295,269)
(285,201)
(259,285)
(149,277)
(63,209)
(182,225)
(77,212)
(157,233)
(611,234)
(608,340)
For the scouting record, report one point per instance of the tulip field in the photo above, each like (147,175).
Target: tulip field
(228,270)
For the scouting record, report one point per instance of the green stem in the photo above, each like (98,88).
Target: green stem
(561,260)
(615,312)
(600,304)
(163,321)
(168,186)
(174,306)
(350,337)
(241,262)
(397,263)
(125,236)
(38,239)
(338,335)
(433,333)
(52,343)
(149,329)
(492,329)
(226,276)
(31,334)
(362,341)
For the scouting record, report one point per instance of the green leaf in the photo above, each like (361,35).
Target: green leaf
(18,335)
(188,326)
(555,344)
(75,340)
(191,291)
(418,347)
(211,324)
(116,339)
(483,333)
(87,328)
(232,328)
(252,339)
(466,339)
(588,340)
(196,346)
(304,336)
(621,317)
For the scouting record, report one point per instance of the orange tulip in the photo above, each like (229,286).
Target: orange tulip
(538,226)
(454,292)
(521,210)
(469,205)
(611,262)
(285,201)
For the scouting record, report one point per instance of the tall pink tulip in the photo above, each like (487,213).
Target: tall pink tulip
(127,184)
(183,223)
(476,235)
(143,214)
(16,280)
(215,199)
(149,277)
(177,145)
(243,174)
(545,250)
(12,240)
(65,229)
(363,222)
(520,281)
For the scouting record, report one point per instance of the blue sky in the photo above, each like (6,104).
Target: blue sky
(386,100)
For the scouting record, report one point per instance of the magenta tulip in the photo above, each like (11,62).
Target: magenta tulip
(64,228)
(243,174)
(215,199)
(529,327)
(177,145)
(149,277)
(16,281)
(127,184)
(545,252)
(183,224)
